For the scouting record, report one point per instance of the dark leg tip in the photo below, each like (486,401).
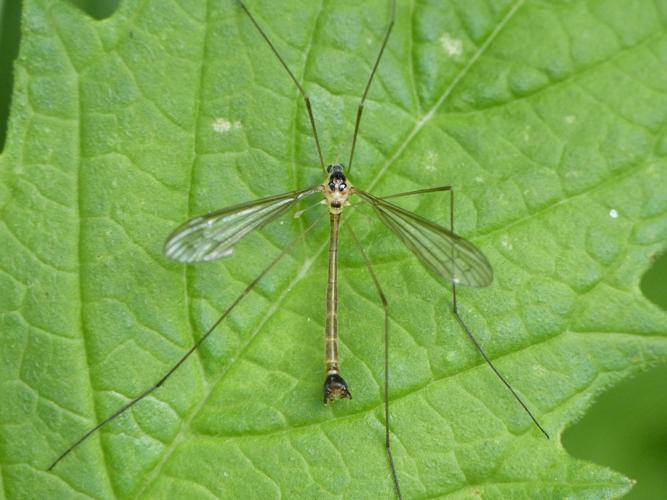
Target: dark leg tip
(335,388)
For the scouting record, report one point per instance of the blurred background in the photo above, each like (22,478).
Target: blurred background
(626,429)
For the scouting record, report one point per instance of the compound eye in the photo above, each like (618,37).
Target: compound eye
(332,186)
(342,186)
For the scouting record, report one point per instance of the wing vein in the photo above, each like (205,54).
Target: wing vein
(447,255)
(213,236)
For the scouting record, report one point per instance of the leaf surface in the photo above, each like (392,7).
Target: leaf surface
(549,119)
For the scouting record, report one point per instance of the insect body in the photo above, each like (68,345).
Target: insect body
(336,191)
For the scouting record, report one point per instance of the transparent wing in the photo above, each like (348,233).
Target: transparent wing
(441,251)
(214,235)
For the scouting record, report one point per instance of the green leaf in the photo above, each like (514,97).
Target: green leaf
(549,119)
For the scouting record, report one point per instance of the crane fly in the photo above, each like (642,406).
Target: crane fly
(448,256)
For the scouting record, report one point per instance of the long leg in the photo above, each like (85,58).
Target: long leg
(418,191)
(296,82)
(360,109)
(406,193)
(474,340)
(455,310)
(385,306)
(185,356)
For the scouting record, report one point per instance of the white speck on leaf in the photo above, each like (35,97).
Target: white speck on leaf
(222,125)
(453,47)
(431,160)
(613,213)
(526,133)
(570,119)
(506,242)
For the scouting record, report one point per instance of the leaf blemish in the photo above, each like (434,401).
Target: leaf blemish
(222,125)
(453,47)
(526,133)
(506,242)
(613,213)
(431,160)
